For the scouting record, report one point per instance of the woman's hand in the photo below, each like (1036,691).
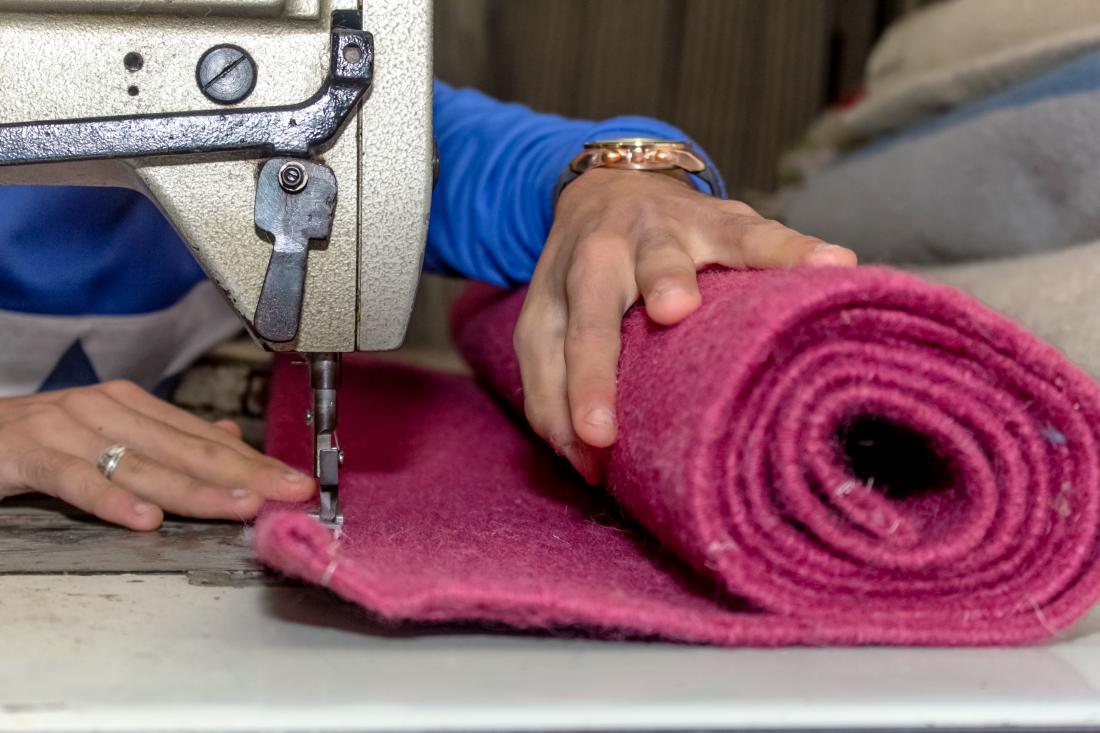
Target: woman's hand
(618,235)
(175,462)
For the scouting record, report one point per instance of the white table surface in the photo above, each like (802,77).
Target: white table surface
(125,652)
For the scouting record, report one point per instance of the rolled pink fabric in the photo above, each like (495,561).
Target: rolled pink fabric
(816,456)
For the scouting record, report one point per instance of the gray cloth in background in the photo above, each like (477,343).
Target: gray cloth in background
(952,53)
(1056,295)
(1012,174)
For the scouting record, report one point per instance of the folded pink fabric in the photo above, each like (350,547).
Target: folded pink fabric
(816,456)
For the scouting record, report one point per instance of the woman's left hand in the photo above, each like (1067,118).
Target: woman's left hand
(617,236)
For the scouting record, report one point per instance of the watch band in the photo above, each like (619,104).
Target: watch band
(639,154)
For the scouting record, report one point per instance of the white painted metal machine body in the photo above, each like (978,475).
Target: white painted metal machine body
(112,93)
(64,59)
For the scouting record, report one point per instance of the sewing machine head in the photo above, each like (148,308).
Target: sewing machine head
(288,141)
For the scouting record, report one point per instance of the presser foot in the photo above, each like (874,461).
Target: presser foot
(329,514)
(327,457)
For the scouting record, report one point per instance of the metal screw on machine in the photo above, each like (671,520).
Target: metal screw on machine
(226,74)
(293,177)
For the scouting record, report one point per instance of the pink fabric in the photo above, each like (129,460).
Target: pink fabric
(840,456)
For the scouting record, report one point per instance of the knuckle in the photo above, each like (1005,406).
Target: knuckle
(674,278)
(210,452)
(598,249)
(524,345)
(599,289)
(641,218)
(579,279)
(654,238)
(75,399)
(584,330)
(790,239)
(757,223)
(43,408)
(519,342)
(523,332)
(739,208)
(255,474)
(121,389)
(44,417)
(772,228)
(657,264)
(735,219)
(194,491)
(757,231)
(37,466)
(728,229)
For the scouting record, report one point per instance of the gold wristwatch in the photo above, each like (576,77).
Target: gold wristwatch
(640,154)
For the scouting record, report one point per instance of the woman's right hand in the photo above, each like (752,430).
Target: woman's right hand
(175,462)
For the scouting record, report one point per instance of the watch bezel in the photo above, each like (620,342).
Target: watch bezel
(638,153)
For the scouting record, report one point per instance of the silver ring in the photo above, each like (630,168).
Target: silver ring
(110,458)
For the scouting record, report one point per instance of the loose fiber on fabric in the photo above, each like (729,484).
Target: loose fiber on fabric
(816,456)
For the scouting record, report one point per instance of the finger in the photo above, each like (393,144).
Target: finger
(596,296)
(230,427)
(830,255)
(666,279)
(134,397)
(749,240)
(539,343)
(146,479)
(207,461)
(181,494)
(80,484)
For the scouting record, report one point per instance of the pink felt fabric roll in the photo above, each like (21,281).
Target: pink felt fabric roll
(816,456)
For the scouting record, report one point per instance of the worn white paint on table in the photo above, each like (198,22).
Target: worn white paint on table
(179,631)
(154,653)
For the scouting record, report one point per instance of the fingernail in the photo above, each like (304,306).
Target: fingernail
(296,476)
(600,416)
(670,289)
(140,507)
(240,493)
(825,246)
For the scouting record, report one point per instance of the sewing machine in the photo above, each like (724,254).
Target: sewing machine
(288,141)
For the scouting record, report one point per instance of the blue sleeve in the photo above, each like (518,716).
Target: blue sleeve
(68,251)
(498,164)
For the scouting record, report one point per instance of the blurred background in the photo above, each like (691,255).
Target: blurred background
(743,77)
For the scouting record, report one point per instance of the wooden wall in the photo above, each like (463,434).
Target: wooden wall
(743,77)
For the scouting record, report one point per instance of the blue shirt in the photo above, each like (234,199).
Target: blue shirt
(78,252)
